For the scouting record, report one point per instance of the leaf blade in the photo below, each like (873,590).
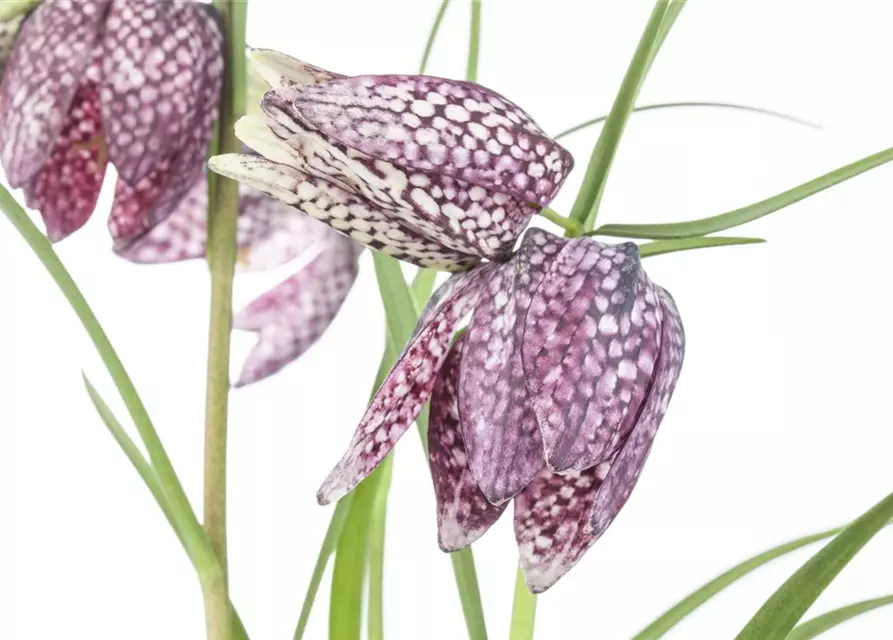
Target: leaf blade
(682,609)
(755,211)
(658,106)
(660,247)
(781,612)
(816,626)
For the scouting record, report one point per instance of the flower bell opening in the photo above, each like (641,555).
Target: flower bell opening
(551,397)
(134,83)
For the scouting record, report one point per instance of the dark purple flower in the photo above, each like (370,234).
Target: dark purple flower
(552,396)
(440,173)
(131,82)
(293,315)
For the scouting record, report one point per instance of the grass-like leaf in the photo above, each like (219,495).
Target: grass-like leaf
(188,526)
(377,528)
(781,612)
(689,105)
(738,217)
(682,609)
(432,35)
(826,621)
(659,247)
(147,474)
(588,198)
(329,544)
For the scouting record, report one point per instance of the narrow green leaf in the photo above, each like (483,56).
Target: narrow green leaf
(781,612)
(377,527)
(682,609)
(731,219)
(586,205)
(474,42)
(523,611)
(396,297)
(822,623)
(147,474)
(432,35)
(693,104)
(190,529)
(469,593)
(351,563)
(686,244)
(422,286)
(329,544)
(133,453)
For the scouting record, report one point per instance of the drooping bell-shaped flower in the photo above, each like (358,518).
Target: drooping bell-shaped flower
(288,318)
(439,173)
(135,83)
(552,396)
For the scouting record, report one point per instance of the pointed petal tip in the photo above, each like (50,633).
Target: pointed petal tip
(279,70)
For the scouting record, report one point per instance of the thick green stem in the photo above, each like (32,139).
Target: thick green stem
(223,213)
(523,611)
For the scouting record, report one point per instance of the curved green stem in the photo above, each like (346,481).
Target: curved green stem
(432,35)
(571,226)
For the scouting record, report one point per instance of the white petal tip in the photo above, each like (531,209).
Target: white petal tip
(279,70)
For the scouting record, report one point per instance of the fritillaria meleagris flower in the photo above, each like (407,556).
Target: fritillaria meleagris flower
(552,396)
(439,173)
(293,315)
(135,83)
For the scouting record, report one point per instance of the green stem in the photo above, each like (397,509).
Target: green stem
(474,45)
(10,9)
(571,226)
(523,611)
(223,213)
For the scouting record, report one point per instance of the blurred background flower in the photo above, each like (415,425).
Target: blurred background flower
(135,83)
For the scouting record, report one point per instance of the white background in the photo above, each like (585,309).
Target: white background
(780,425)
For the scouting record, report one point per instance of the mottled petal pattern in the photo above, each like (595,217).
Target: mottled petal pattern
(498,424)
(342,210)
(279,70)
(269,234)
(138,207)
(406,389)
(590,341)
(153,79)
(440,126)
(53,49)
(628,464)
(463,512)
(8,31)
(67,186)
(459,215)
(551,523)
(293,315)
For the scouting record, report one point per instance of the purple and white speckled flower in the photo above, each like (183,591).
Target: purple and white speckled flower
(293,315)
(552,396)
(436,172)
(132,82)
